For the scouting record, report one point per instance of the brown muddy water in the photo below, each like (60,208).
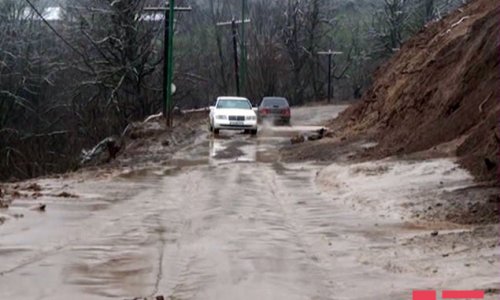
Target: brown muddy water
(224,219)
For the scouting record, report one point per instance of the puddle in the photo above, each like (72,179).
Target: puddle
(227,147)
(245,230)
(171,171)
(368,145)
(279,168)
(133,174)
(228,153)
(181,163)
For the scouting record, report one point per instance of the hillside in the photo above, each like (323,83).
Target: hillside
(441,87)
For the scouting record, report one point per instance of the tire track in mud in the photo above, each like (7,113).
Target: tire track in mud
(212,208)
(332,237)
(288,182)
(80,235)
(177,225)
(205,207)
(175,266)
(161,251)
(276,188)
(34,259)
(86,239)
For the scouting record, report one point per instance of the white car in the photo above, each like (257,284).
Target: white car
(233,113)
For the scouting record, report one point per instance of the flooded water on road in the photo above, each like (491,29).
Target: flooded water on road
(224,219)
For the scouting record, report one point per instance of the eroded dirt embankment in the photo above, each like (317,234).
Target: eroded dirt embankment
(441,87)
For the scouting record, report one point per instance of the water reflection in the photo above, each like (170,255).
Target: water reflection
(239,148)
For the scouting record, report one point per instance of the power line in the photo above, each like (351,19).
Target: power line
(54,30)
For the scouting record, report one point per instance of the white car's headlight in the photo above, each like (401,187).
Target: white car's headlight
(221,117)
(250,118)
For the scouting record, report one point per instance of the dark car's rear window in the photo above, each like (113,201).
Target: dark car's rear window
(272,102)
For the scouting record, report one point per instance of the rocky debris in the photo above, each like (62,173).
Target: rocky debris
(36,195)
(3,204)
(326,149)
(39,207)
(148,141)
(318,135)
(34,187)
(297,139)
(17,216)
(144,130)
(66,195)
(110,145)
(159,297)
(492,291)
(113,146)
(300,138)
(441,87)
(490,164)
(476,205)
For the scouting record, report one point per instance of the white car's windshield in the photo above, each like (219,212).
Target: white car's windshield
(234,104)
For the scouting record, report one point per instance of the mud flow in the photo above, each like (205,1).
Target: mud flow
(225,219)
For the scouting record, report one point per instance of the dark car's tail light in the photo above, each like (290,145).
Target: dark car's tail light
(286,112)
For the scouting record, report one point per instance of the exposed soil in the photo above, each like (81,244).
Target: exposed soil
(431,191)
(327,150)
(223,218)
(152,141)
(441,87)
(465,206)
(148,143)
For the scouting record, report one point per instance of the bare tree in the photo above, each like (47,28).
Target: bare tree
(71,81)
(124,51)
(389,25)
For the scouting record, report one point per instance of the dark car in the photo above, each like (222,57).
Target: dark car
(275,109)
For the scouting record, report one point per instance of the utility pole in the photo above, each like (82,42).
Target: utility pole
(233,24)
(330,53)
(243,51)
(168,42)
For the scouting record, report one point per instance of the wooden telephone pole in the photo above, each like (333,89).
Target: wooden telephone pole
(330,53)
(243,48)
(233,24)
(168,64)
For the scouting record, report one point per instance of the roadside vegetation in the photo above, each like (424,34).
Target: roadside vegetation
(72,73)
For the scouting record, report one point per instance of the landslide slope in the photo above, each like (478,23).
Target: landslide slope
(442,86)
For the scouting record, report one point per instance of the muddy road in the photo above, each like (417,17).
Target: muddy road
(225,219)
